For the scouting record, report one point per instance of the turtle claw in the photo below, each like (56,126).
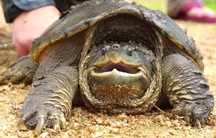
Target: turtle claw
(63,121)
(16,76)
(40,125)
(40,119)
(198,123)
(6,75)
(55,121)
(195,114)
(20,122)
(46,106)
(28,79)
(187,119)
(21,71)
(56,124)
(23,119)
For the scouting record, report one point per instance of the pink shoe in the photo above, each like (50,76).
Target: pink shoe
(194,11)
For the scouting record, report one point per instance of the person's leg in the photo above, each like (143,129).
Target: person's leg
(192,10)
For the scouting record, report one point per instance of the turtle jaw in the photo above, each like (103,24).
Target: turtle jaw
(117,83)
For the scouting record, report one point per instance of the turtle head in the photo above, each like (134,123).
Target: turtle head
(118,74)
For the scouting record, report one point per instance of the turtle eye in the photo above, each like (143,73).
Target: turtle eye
(105,49)
(130,51)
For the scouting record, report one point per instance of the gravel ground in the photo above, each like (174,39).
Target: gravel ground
(88,124)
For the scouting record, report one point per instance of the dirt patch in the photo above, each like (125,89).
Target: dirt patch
(87,124)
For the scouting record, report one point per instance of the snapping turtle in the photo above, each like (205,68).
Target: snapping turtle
(116,57)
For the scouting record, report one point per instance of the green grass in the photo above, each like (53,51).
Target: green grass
(211,4)
(152,4)
(161,4)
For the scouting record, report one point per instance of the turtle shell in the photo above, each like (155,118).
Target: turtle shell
(87,14)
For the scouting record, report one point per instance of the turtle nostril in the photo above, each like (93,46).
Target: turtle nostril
(116,46)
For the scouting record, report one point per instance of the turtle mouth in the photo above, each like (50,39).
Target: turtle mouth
(118,73)
(121,67)
(118,83)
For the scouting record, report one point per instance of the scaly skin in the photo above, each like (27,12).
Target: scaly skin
(54,85)
(20,72)
(186,89)
(55,92)
(50,100)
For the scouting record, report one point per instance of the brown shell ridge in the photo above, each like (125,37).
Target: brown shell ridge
(81,26)
(66,27)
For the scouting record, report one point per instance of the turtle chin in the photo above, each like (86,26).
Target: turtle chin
(117,84)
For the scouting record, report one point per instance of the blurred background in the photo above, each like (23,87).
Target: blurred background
(5,29)
(153,4)
(161,4)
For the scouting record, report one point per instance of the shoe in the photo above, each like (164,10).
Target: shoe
(194,11)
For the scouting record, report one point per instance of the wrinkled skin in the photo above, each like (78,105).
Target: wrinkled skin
(183,84)
(22,71)
(114,74)
(182,81)
(110,70)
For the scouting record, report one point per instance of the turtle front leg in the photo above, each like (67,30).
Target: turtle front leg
(49,103)
(22,71)
(186,89)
